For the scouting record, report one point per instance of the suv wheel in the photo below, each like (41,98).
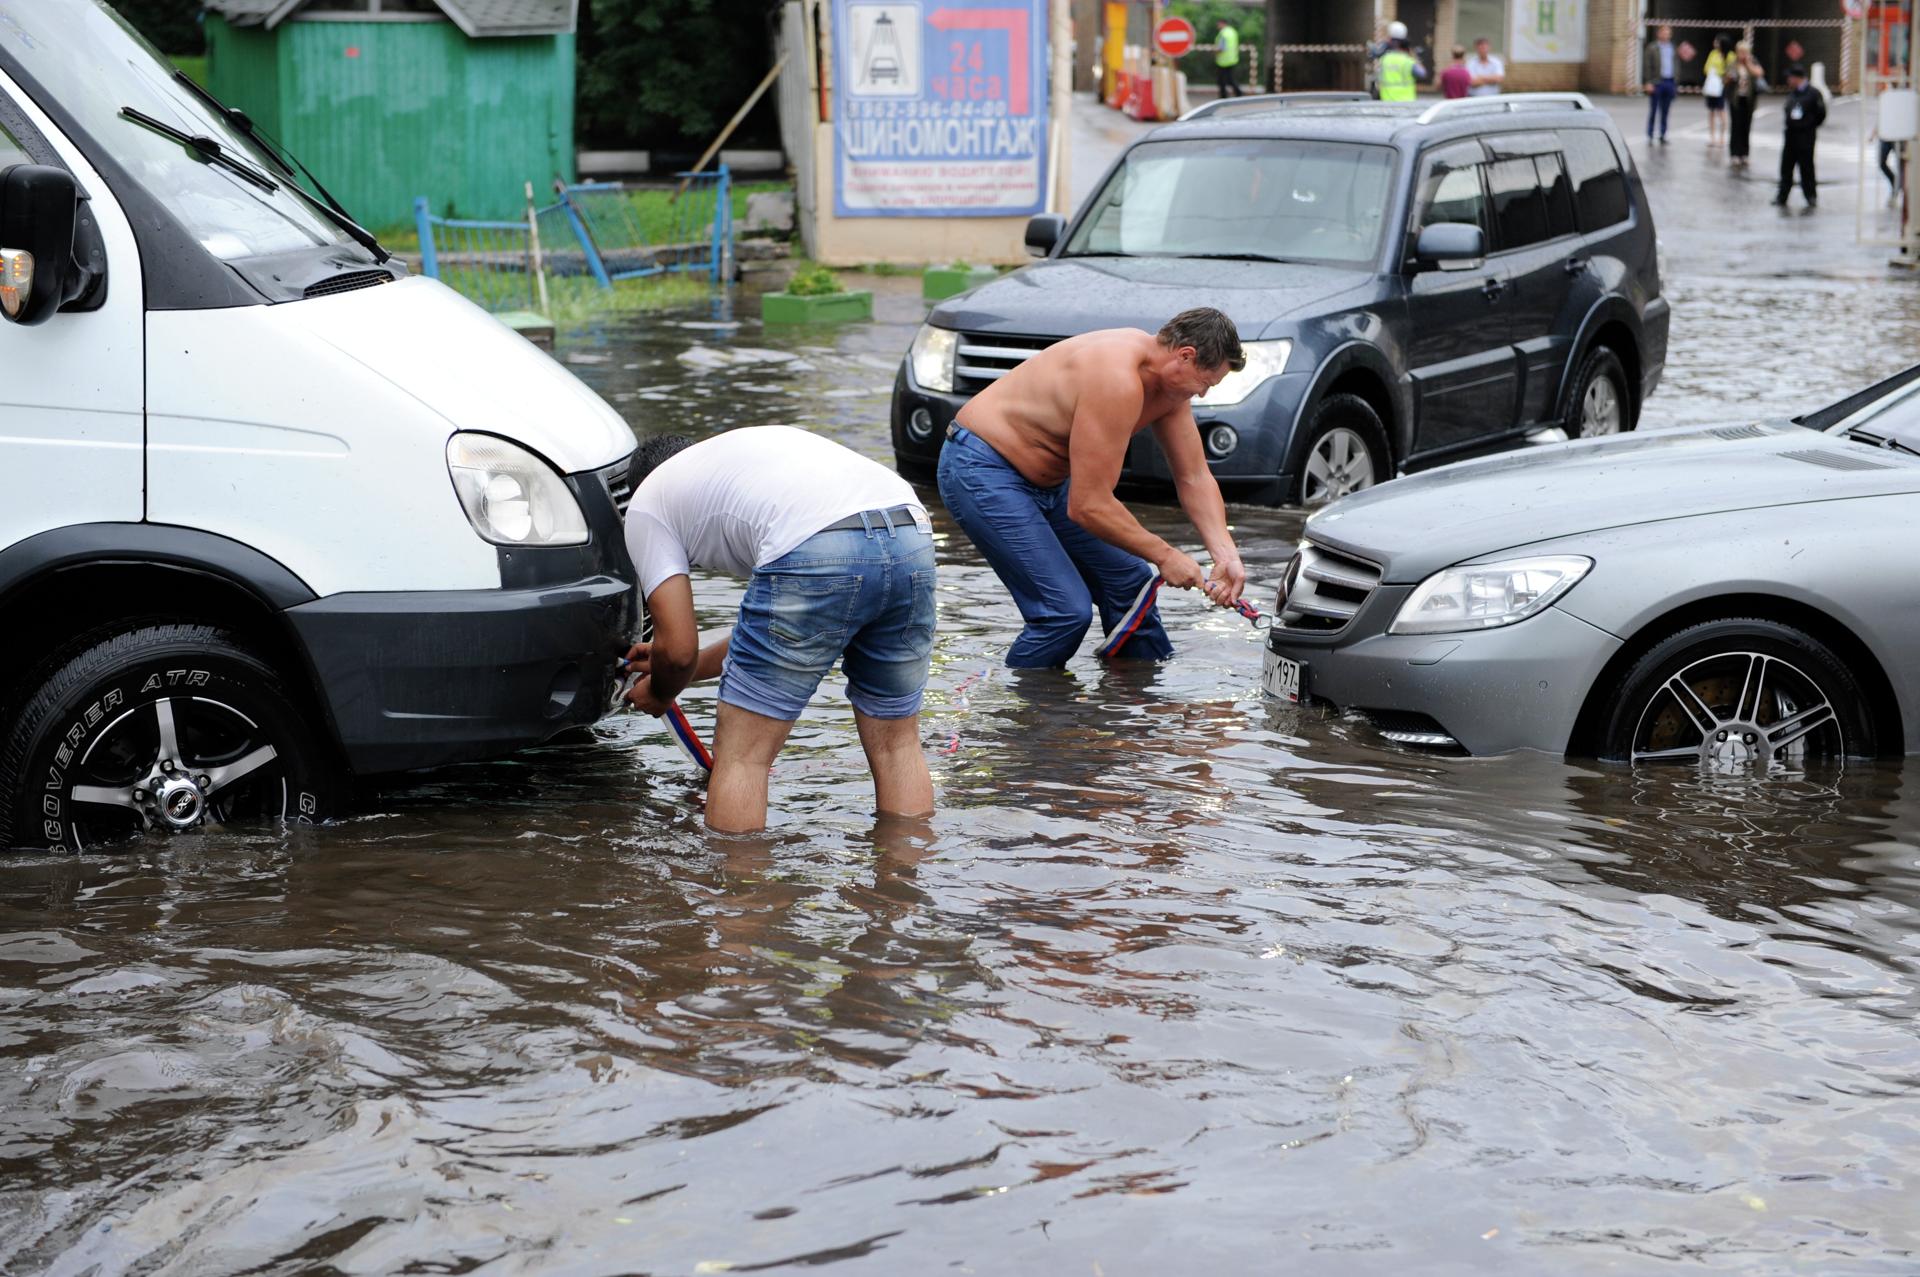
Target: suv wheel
(1738,695)
(1600,404)
(164,727)
(1346,450)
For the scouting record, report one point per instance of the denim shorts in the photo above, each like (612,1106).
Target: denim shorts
(862,597)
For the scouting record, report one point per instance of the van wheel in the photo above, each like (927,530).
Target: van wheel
(165,727)
(1601,404)
(1739,695)
(1346,450)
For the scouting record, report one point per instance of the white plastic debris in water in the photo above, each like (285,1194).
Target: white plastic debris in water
(582,357)
(710,325)
(708,358)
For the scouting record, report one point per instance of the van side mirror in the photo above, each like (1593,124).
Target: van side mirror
(39,211)
(1450,246)
(1043,232)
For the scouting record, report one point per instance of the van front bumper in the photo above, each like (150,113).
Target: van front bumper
(421,679)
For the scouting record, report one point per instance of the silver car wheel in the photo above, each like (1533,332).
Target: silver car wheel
(1600,409)
(1339,462)
(1735,711)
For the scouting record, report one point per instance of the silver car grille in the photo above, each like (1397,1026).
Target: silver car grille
(1325,589)
(984,358)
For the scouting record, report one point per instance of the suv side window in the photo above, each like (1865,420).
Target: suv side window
(1553,181)
(1599,187)
(1519,205)
(1450,189)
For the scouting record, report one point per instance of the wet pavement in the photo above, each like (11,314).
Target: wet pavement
(1177,980)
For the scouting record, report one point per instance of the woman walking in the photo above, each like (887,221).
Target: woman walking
(1744,84)
(1719,62)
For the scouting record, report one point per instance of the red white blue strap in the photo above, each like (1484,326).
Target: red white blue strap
(1135,614)
(686,738)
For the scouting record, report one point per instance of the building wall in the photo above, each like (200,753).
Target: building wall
(385,111)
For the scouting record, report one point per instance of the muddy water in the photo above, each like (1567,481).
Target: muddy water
(1176,981)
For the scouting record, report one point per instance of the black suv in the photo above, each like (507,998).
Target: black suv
(1414,284)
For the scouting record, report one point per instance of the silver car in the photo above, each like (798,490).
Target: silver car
(1737,596)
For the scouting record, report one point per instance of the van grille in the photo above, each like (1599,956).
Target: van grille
(347,283)
(984,358)
(619,483)
(1325,590)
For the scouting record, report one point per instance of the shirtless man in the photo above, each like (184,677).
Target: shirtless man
(1030,467)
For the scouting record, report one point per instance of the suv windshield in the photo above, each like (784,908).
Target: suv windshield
(1259,198)
(91,62)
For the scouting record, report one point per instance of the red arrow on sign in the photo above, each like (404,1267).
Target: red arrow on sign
(1014,23)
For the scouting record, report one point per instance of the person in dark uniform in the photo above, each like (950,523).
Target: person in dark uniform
(1806,111)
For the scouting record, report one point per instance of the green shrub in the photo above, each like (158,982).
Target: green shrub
(814,280)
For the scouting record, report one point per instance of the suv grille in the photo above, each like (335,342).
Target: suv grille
(1325,589)
(983,358)
(347,283)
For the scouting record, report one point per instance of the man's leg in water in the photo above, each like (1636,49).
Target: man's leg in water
(1003,516)
(1115,579)
(744,747)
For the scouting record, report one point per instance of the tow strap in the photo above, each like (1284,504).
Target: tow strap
(1143,603)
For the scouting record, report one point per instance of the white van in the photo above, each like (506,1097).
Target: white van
(273,514)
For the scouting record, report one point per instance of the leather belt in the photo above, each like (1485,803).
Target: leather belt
(899,516)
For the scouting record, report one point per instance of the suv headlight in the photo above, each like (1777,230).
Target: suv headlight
(1481,596)
(1264,359)
(932,357)
(511,496)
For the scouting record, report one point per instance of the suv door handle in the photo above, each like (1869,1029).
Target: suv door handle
(1493,288)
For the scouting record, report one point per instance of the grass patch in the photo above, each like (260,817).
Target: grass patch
(576,300)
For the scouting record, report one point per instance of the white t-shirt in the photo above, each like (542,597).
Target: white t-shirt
(1489,65)
(742,499)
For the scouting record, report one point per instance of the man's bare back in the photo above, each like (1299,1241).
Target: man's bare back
(1027,416)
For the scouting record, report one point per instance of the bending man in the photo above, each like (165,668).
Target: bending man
(1031,463)
(839,553)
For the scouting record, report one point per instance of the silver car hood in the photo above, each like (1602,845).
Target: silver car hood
(1417,525)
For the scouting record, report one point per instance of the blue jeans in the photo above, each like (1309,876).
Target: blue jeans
(1660,104)
(863,597)
(1055,569)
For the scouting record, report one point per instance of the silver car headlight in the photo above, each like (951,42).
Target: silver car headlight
(1481,596)
(1264,359)
(511,496)
(932,357)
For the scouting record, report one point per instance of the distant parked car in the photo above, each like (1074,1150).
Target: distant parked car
(1743,595)
(1414,284)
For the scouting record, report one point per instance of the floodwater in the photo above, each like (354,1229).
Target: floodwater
(1176,981)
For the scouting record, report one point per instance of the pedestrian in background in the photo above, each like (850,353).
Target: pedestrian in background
(1745,84)
(1226,60)
(1659,65)
(1714,90)
(1456,81)
(1398,68)
(1486,68)
(1806,111)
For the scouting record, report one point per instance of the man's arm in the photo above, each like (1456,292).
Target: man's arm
(1096,449)
(673,658)
(1199,495)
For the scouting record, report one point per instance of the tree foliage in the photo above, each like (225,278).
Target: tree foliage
(669,74)
(171,26)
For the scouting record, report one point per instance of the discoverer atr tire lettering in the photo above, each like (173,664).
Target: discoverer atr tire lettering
(162,728)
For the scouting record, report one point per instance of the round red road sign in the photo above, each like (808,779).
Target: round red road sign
(1173,37)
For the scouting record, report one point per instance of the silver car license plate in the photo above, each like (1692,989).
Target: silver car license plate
(1281,678)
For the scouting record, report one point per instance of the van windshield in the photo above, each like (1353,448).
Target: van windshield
(1258,198)
(92,63)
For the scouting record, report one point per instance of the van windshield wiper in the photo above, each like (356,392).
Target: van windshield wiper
(334,210)
(205,148)
(1883,441)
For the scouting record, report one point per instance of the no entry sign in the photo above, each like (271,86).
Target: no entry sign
(1173,37)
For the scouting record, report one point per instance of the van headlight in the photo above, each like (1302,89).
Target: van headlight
(511,496)
(1481,596)
(1264,359)
(932,357)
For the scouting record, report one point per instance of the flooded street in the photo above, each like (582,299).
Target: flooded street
(1178,980)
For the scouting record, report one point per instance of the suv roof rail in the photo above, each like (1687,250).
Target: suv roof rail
(1502,103)
(1268,101)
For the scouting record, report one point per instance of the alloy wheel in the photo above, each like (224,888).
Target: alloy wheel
(1735,711)
(1600,409)
(172,765)
(1339,462)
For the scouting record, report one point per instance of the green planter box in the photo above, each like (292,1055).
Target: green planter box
(946,281)
(833,308)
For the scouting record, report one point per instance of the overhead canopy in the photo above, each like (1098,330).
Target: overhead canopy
(475,17)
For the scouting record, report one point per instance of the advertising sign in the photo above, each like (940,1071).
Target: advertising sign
(1548,31)
(939,108)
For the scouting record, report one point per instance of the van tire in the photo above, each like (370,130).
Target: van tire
(1356,417)
(92,720)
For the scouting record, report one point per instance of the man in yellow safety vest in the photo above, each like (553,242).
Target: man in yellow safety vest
(1396,69)
(1226,60)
